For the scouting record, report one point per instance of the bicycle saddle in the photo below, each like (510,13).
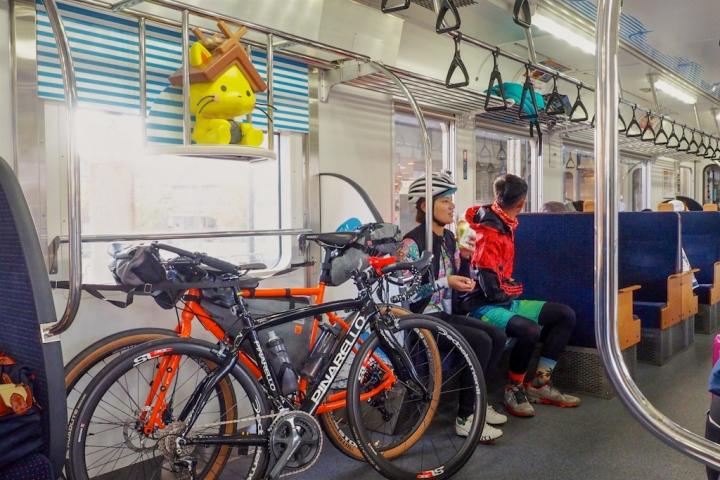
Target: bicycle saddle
(333,240)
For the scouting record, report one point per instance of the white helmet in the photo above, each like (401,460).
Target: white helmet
(442,185)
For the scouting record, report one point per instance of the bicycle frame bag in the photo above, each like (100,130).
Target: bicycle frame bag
(219,304)
(373,240)
(20,423)
(142,265)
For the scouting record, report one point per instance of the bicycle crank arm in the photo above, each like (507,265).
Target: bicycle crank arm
(292,446)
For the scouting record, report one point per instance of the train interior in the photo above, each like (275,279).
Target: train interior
(361,102)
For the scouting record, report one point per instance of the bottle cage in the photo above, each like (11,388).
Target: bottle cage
(495,76)
(447,6)
(457,63)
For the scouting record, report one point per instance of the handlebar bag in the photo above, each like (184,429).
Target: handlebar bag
(373,240)
(140,265)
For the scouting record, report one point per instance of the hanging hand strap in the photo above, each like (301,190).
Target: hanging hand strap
(528,87)
(633,123)
(579,105)
(447,6)
(403,6)
(495,77)
(521,13)
(661,137)
(457,63)
(554,99)
(648,128)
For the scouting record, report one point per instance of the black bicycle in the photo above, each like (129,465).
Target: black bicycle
(190,409)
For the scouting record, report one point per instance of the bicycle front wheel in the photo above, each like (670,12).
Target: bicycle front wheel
(109,440)
(379,422)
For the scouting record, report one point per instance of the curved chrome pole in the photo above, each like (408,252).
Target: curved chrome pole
(606,195)
(73,171)
(426,147)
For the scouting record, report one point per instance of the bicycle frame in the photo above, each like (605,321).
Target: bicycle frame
(168,365)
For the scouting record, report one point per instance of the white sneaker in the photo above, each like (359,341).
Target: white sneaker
(494,418)
(489,433)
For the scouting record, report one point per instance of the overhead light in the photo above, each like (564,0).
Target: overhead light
(675,92)
(557,30)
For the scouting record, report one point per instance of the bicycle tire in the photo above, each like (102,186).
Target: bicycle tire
(345,443)
(438,442)
(201,352)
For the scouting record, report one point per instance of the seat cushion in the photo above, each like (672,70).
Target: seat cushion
(35,467)
(649,313)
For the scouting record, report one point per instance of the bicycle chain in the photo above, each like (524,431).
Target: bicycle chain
(257,418)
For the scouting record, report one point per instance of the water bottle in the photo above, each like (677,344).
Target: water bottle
(319,355)
(280,362)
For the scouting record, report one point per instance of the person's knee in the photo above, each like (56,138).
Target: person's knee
(530,333)
(566,315)
(497,335)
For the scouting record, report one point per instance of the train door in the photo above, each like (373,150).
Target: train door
(498,154)
(711,184)
(409,161)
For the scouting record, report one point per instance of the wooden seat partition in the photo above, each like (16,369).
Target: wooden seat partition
(710,207)
(628,327)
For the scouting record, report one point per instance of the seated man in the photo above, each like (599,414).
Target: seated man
(494,300)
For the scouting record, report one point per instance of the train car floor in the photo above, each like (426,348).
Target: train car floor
(597,440)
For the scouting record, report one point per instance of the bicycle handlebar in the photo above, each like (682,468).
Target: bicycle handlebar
(212,262)
(417,269)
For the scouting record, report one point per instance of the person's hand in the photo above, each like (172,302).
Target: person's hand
(460,283)
(467,244)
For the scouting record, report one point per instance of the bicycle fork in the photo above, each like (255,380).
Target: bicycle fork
(406,371)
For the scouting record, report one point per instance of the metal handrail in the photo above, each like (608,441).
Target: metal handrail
(606,241)
(426,147)
(54,246)
(71,100)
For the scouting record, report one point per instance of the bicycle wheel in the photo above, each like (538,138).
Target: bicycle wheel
(440,452)
(336,424)
(83,368)
(107,439)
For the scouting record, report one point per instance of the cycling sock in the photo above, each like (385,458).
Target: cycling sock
(543,372)
(516,378)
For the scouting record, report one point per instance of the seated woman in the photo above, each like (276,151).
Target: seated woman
(451,271)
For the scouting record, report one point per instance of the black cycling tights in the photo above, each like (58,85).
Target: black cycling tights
(486,340)
(557,320)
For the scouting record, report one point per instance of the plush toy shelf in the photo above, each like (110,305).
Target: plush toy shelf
(237,153)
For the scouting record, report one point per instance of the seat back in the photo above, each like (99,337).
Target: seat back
(554,261)
(26,303)
(648,252)
(701,241)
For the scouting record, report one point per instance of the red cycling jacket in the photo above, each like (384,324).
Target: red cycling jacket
(493,259)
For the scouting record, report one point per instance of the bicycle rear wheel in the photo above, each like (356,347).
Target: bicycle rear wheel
(440,452)
(108,439)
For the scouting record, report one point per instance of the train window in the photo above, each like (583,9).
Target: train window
(497,155)
(711,184)
(581,166)
(172,194)
(410,160)
(569,187)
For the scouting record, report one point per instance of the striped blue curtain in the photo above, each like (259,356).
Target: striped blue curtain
(105,55)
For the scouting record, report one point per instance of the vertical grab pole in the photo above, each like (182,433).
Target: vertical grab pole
(186,75)
(142,77)
(426,147)
(73,171)
(270,94)
(606,226)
